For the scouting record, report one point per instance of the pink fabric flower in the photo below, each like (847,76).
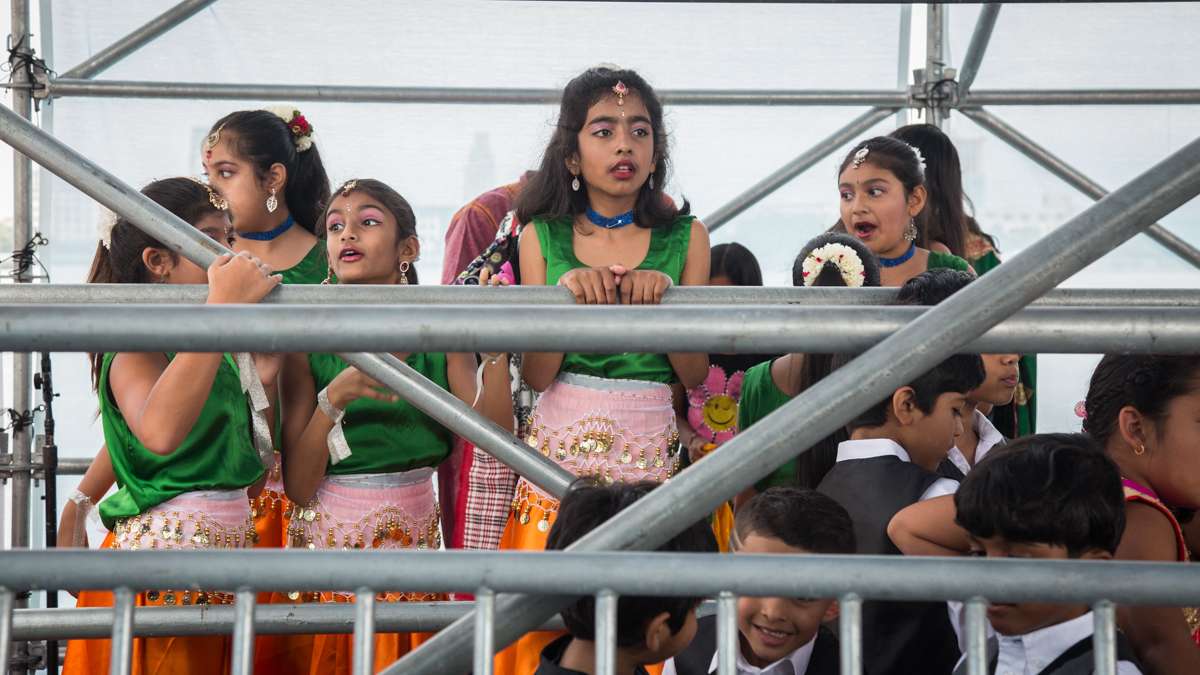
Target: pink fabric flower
(713,406)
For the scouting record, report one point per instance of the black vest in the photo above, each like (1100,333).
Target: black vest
(698,656)
(898,637)
(1078,660)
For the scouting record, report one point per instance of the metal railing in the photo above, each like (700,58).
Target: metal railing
(851,579)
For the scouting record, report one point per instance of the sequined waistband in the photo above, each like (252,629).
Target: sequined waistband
(191,520)
(349,517)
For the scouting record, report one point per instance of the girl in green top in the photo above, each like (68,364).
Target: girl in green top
(881,183)
(358,462)
(601,225)
(269,170)
(177,429)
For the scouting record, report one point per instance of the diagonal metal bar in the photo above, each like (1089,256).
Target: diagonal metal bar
(978,46)
(1055,165)
(452,413)
(191,244)
(148,32)
(846,392)
(796,167)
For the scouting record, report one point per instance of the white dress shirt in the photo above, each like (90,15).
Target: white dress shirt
(1030,653)
(795,663)
(989,437)
(882,447)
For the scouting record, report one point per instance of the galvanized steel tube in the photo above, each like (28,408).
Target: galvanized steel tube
(787,172)
(148,32)
(121,658)
(302,295)
(746,329)
(980,38)
(1104,638)
(850,633)
(976,630)
(364,632)
(606,633)
(485,628)
(243,632)
(727,634)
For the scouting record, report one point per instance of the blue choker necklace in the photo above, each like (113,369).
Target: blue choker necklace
(896,262)
(269,234)
(609,223)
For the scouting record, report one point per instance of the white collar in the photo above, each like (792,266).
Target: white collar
(1038,649)
(871,447)
(989,437)
(798,659)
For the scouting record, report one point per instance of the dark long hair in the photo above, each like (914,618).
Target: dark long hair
(1146,382)
(943,218)
(548,194)
(397,205)
(812,465)
(262,138)
(121,261)
(736,262)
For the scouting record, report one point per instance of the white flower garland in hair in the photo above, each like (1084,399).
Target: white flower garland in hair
(104,228)
(302,131)
(920,157)
(842,256)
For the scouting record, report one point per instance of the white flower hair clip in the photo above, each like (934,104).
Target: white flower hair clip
(104,228)
(842,256)
(302,131)
(920,157)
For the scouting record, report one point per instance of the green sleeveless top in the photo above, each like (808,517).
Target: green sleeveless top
(939,260)
(387,437)
(311,269)
(667,254)
(217,454)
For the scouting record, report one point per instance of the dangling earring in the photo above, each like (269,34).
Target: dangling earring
(575,184)
(910,233)
(404,267)
(328,276)
(651,181)
(272,202)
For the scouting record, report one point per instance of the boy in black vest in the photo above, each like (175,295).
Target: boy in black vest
(890,462)
(778,636)
(649,629)
(1050,496)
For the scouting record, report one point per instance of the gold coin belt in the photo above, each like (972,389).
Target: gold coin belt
(526,500)
(384,527)
(597,447)
(181,530)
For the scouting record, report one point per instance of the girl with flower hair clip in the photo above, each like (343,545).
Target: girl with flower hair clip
(266,166)
(600,224)
(358,462)
(881,184)
(831,259)
(178,435)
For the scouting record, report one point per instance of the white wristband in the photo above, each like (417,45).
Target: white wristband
(339,447)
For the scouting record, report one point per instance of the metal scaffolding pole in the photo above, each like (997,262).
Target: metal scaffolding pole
(105,58)
(935,61)
(309,618)
(720,329)
(830,403)
(577,572)
(1073,177)
(79,294)
(797,166)
(20,43)
(1083,97)
(462,95)
(183,238)
(978,46)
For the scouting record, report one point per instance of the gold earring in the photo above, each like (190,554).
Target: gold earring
(328,276)
(910,232)
(404,267)
(1140,450)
